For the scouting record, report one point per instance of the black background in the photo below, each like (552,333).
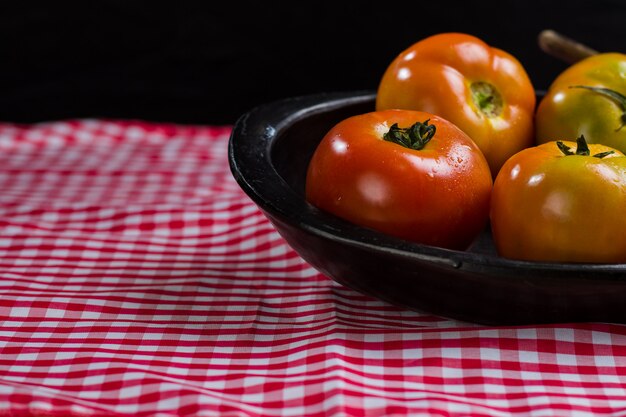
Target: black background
(201,62)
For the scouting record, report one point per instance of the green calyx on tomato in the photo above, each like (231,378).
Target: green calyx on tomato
(620,99)
(582,148)
(414,137)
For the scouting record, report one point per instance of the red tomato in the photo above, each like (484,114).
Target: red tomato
(437,194)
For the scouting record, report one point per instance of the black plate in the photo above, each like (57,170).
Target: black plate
(269,151)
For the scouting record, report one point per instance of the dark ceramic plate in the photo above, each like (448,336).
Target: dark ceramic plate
(269,152)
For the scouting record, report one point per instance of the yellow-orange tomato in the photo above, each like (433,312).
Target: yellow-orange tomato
(550,203)
(405,173)
(588,98)
(483,90)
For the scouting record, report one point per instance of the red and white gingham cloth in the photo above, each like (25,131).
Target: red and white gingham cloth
(137,279)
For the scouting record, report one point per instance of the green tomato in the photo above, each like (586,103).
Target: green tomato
(588,98)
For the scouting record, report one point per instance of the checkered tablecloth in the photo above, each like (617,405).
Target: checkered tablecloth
(137,279)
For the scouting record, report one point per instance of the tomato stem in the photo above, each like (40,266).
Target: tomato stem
(581,148)
(619,98)
(414,137)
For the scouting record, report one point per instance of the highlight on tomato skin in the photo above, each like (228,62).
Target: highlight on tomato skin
(484,91)
(561,201)
(405,173)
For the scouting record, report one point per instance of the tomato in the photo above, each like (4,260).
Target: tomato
(550,203)
(588,98)
(405,173)
(483,90)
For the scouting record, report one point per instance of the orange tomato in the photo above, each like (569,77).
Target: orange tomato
(405,173)
(550,203)
(483,90)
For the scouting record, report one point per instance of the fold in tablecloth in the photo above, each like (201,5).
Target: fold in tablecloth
(137,279)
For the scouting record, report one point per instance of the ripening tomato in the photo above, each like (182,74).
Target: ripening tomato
(405,173)
(561,201)
(483,90)
(588,98)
